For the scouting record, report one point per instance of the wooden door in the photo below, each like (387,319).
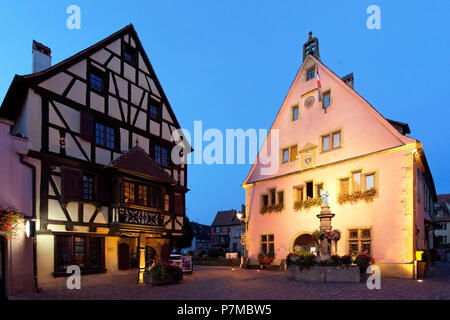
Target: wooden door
(124,256)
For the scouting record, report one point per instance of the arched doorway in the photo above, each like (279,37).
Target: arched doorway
(304,243)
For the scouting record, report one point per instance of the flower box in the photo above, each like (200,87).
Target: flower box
(324,274)
(155,280)
(313,274)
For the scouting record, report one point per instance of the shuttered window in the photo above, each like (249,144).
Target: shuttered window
(178,199)
(71,183)
(86,126)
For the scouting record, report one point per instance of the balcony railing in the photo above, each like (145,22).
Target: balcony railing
(139,217)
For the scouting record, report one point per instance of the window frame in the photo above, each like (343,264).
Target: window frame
(134,54)
(293,109)
(114,135)
(70,237)
(154,195)
(290,151)
(101,74)
(326,92)
(267,242)
(308,71)
(330,136)
(91,188)
(360,239)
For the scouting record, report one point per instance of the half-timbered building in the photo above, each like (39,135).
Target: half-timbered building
(110,194)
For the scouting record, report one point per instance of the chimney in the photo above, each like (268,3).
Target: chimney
(349,80)
(42,58)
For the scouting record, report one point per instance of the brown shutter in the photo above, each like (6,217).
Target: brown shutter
(103,189)
(178,202)
(71,180)
(87,126)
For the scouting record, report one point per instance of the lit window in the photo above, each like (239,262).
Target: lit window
(295,113)
(370,181)
(128,192)
(326,100)
(142,194)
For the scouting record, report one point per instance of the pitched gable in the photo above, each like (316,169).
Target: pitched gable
(363,129)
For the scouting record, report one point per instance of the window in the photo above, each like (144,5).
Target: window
(280,197)
(142,194)
(331,141)
(97,80)
(265,200)
(285,155)
(360,241)
(105,136)
(130,54)
(272,197)
(294,113)
(154,112)
(370,181)
(293,153)
(164,158)
(128,192)
(344,185)
(218,229)
(268,243)
(310,74)
(85,252)
(289,154)
(298,193)
(155,197)
(309,190)
(157,154)
(88,187)
(319,189)
(326,99)
(356,181)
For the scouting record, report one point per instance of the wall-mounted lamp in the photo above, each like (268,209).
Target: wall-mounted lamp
(30,228)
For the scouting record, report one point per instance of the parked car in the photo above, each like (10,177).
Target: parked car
(182,262)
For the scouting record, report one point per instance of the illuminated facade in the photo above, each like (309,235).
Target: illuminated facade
(109,196)
(343,145)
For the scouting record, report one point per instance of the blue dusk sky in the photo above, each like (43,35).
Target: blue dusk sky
(231,63)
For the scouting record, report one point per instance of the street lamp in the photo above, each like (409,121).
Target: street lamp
(241,216)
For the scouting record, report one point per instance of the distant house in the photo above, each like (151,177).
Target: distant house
(202,238)
(442,216)
(226,231)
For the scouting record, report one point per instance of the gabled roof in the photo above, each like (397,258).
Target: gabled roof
(11,105)
(226,218)
(137,161)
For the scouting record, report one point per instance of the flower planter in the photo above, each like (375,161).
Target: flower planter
(159,281)
(325,274)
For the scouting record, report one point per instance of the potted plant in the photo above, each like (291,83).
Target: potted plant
(265,259)
(11,223)
(160,274)
(363,261)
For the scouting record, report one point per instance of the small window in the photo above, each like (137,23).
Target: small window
(88,187)
(142,194)
(344,185)
(331,141)
(310,74)
(128,192)
(293,153)
(309,190)
(280,197)
(265,200)
(295,113)
(326,99)
(105,136)
(157,154)
(356,180)
(272,196)
(366,233)
(298,193)
(285,155)
(97,80)
(370,181)
(130,54)
(268,244)
(353,234)
(164,157)
(154,112)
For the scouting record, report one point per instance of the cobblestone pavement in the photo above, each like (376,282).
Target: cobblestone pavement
(225,283)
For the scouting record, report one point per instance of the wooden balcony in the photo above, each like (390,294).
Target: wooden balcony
(130,218)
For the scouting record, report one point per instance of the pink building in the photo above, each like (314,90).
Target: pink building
(343,145)
(17,177)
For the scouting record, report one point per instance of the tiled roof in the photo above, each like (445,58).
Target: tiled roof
(136,160)
(226,218)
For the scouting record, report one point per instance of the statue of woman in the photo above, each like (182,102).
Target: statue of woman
(324,196)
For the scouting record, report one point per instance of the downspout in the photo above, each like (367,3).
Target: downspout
(414,226)
(33,216)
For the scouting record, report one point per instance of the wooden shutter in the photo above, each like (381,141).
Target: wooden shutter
(178,204)
(87,126)
(103,189)
(71,180)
